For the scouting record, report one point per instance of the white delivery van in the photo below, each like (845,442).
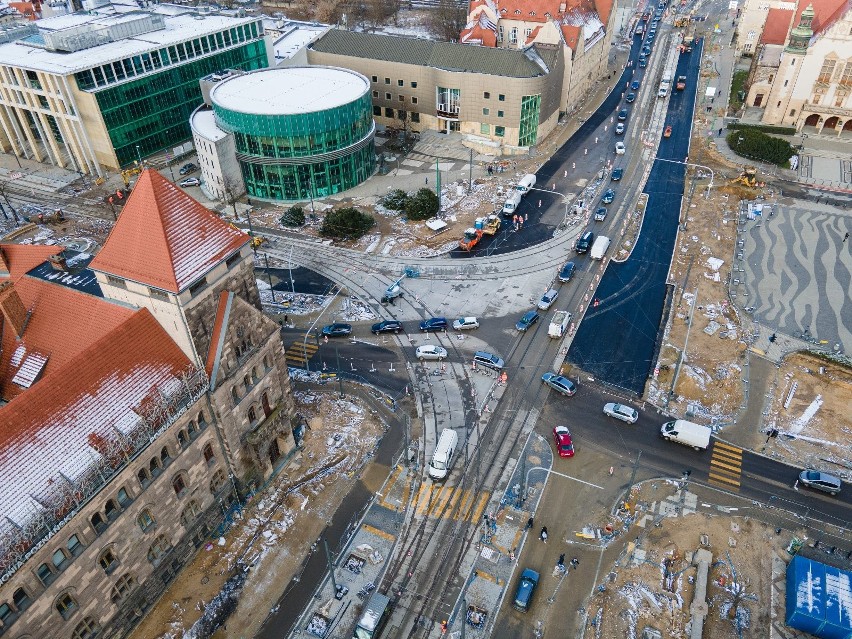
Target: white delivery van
(665,85)
(558,324)
(512,203)
(526,183)
(445,452)
(600,247)
(686,433)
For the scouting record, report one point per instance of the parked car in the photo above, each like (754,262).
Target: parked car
(387,326)
(584,242)
(608,196)
(631,97)
(620,149)
(187,168)
(643,63)
(620,128)
(560,384)
(617,174)
(191,181)
(622,115)
(567,272)
(526,588)
(650,37)
(529,318)
(668,132)
(430,351)
(622,412)
(465,323)
(562,438)
(819,480)
(600,214)
(634,86)
(547,299)
(434,324)
(337,329)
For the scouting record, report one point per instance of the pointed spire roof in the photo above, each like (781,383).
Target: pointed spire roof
(164,238)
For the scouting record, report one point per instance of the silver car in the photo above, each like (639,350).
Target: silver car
(622,412)
(430,351)
(547,299)
(819,480)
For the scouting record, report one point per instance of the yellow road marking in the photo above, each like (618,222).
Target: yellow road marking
(377,532)
(726,480)
(728,458)
(477,512)
(735,469)
(734,449)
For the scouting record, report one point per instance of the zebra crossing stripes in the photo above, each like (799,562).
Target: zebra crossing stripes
(299,353)
(449,502)
(726,465)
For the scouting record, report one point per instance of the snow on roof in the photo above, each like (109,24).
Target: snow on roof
(203,122)
(164,238)
(289,90)
(295,37)
(179,28)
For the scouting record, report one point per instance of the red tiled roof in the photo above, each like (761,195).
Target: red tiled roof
(777,26)
(26,9)
(603,7)
(17,259)
(479,35)
(220,326)
(825,12)
(164,238)
(571,34)
(533,34)
(62,324)
(47,432)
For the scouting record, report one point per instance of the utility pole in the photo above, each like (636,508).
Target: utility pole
(339,378)
(330,562)
(685,343)
(469,189)
(268,276)
(406,424)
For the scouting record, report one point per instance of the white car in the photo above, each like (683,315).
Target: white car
(429,351)
(191,181)
(620,148)
(622,412)
(619,128)
(547,299)
(465,323)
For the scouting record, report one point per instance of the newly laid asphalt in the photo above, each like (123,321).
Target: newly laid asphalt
(616,340)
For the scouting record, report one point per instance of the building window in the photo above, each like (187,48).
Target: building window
(192,430)
(154,467)
(486,111)
(116,281)
(846,78)
(165,456)
(815,100)
(528,32)
(74,545)
(388,112)
(375,78)
(158,550)
(487,95)
(86,629)
(179,484)
(501,97)
(183,440)
(838,101)
(21,599)
(121,588)
(413,100)
(5,613)
(499,114)
(235,396)
(388,96)
(415,117)
(402,98)
(65,605)
(377,110)
(500,33)
(376,94)
(111,510)
(108,561)
(209,457)
(145,520)
(196,288)
(123,497)
(143,477)
(59,559)
(414,85)
(485,129)
(499,131)
(387,80)
(45,574)
(827,71)
(160,295)
(400,83)
(252,415)
(513,35)
(190,513)
(98,523)
(792,112)
(218,481)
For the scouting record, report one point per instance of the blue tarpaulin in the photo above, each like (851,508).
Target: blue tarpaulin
(819,599)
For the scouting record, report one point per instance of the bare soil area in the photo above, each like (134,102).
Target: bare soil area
(810,410)
(277,527)
(653,583)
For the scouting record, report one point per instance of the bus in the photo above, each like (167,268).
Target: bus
(374,617)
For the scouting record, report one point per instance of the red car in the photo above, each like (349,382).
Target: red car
(564,445)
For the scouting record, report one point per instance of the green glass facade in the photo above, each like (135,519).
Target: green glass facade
(528,129)
(153,111)
(296,156)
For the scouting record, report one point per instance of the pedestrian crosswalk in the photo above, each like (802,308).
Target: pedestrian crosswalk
(449,502)
(299,353)
(726,465)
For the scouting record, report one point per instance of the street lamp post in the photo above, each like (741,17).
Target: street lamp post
(699,166)
(562,195)
(802,145)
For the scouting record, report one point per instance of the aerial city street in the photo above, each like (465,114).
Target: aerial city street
(508,318)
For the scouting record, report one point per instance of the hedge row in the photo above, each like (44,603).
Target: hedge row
(759,146)
(764,128)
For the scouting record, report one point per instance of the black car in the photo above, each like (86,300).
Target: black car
(337,329)
(608,196)
(622,115)
(585,242)
(600,214)
(187,168)
(617,174)
(434,324)
(646,50)
(529,318)
(642,63)
(630,97)
(388,326)
(567,272)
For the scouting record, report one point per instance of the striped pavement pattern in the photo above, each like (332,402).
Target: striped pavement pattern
(726,465)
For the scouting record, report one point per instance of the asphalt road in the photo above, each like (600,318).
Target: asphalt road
(615,341)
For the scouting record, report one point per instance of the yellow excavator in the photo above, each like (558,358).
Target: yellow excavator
(748,177)
(492,225)
(127,173)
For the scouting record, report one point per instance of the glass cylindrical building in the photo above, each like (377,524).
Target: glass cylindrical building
(299,132)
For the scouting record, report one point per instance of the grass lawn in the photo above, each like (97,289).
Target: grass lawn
(737,84)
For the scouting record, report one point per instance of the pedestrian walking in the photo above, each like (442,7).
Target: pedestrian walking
(526,217)
(585,151)
(543,534)
(561,561)
(427,180)
(846,237)
(530,523)
(539,204)
(286,319)
(573,166)
(596,139)
(565,175)
(575,562)
(720,131)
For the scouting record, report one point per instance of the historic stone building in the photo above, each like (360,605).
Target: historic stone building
(144,393)
(801,73)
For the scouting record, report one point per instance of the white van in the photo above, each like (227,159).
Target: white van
(526,183)
(686,433)
(600,247)
(512,203)
(445,452)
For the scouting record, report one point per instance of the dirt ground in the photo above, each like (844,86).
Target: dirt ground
(814,427)
(277,527)
(738,585)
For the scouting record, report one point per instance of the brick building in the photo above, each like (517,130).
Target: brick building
(144,392)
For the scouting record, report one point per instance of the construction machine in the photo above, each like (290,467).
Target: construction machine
(748,177)
(471,238)
(126,174)
(491,225)
(49,218)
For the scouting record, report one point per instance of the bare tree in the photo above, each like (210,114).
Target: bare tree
(328,11)
(378,11)
(447,20)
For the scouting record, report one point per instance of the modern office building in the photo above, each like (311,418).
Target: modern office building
(502,100)
(143,392)
(297,132)
(104,88)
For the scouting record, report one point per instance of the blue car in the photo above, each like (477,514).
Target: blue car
(526,588)
(434,324)
(622,115)
(634,85)
(630,97)
(336,330)
(566,272)
(617,174)
(529,318)
(608,196)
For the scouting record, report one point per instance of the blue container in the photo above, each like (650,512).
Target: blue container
(819,599)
